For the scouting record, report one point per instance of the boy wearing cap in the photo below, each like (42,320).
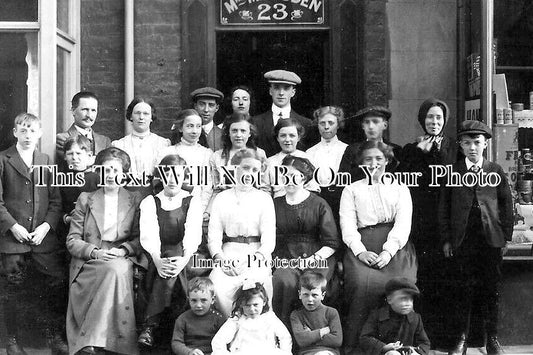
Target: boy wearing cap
(374,120)
(395,329)
(474,224)
(282,89)
(206,101)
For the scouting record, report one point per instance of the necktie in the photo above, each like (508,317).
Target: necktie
(474,168)
(280,115)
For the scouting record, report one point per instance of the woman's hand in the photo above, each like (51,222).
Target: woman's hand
(163,267)
(382,260)
(391,346)
(105,255)
(175,265)
(234,267)
(367,257)
(424,143)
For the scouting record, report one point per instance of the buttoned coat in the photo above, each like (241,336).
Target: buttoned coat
(495,203)
(87,225)
(379,330)
(25,203)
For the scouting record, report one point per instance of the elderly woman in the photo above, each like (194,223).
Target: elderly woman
(104,244)
(142,145)
(305,228)
(375,218)
(242,228)
(327,154)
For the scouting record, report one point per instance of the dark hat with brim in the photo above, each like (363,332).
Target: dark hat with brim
(379,111)
(473,127)
(282,77)
(401,283)
(207,92)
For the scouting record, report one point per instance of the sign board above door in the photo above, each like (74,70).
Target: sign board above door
(271,12)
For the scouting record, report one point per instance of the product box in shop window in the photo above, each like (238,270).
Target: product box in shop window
(505,149)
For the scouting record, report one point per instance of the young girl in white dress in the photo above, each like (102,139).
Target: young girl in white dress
(253,328)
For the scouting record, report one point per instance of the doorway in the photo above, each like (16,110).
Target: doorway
(243,57)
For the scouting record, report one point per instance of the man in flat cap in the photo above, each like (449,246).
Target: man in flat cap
(206,101)
(374,120)
(474,224)
(282,90)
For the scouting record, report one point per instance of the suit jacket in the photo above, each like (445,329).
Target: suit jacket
(496,206)
(214,138)
(88,222)
(101,142)
(380,329)
(22,202)
(264,124)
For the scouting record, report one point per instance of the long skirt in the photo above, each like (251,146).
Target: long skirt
(364,287)
(100,309)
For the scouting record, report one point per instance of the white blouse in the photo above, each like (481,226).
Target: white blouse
(327,155)
(276,160)
(249,213)
(143,151)
(149,225)
(364,205)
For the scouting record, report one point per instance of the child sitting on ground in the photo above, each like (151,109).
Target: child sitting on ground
(395,329)
(252,329)
(316,327)
(194,329)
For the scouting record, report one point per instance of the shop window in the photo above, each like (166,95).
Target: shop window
(19,10)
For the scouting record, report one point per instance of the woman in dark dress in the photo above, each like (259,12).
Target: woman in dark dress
(306,229)
(170,232)
(433,148)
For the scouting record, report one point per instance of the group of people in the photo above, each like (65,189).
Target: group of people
(235,226)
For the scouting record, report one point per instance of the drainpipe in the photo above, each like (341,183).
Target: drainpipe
(129,58)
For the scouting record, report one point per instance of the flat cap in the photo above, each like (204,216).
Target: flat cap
(379,111)
(473,127)
(282,77)
(401,283)
(207,92)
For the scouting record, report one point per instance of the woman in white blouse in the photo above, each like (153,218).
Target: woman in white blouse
(327,154)
(170,232)
(242,232)
(142,145)
(288,132)
(375,218)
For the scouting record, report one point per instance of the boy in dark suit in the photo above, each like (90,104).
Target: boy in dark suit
(395,329)
(28,217)
(282,89)
(207,102)
(475,223)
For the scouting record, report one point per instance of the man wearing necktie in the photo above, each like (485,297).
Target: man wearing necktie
(206,101)
(474,224)
(282,89)
(84,110)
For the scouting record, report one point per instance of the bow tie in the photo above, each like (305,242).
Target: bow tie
(474,168)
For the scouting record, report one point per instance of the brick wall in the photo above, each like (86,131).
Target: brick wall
(157,59)
(102,61)
(375,57)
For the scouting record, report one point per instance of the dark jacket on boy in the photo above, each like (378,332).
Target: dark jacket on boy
(385,326)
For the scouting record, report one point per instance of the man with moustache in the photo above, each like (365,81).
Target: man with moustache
(84,110)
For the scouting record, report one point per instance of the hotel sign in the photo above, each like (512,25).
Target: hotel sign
(272,12)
